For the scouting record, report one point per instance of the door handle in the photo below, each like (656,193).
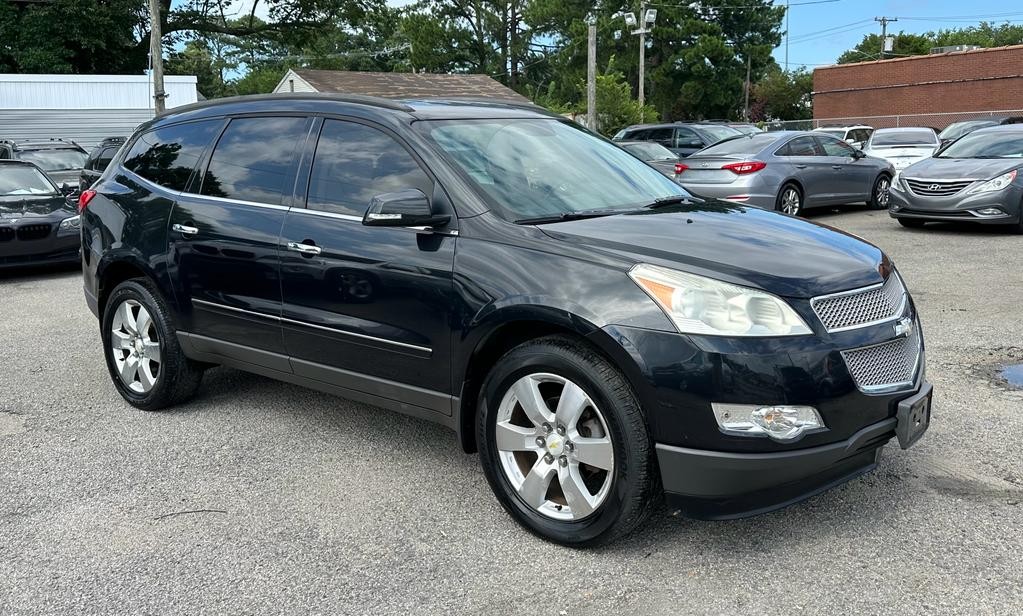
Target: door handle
(184,229)
(800,166)
(306,249)
(839,167)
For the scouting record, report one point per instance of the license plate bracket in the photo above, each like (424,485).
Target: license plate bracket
(914,416)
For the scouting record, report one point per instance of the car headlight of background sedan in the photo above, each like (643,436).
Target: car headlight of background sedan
(699,305)
(999,183)
(70,226)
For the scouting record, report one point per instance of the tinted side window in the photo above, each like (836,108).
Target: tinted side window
(166,156)
(104,159)
(835,147)
(664,136)
(353,163)
(687,138)
(800,146)
(254,159)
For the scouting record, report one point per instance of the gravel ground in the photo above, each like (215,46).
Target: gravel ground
(311,504)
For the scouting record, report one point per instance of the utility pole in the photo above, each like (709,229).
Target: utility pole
(647,18)
(591,74)
(156,55)
(787,35)
(745,113)
(884,21)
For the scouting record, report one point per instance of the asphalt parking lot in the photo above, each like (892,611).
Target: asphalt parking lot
(265,498)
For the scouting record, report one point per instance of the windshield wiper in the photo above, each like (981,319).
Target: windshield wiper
(672,200)
(565,216)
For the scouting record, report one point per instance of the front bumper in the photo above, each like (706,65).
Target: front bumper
(961,207)
(52,249)
(723,485)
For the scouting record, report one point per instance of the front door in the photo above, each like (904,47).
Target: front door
(224,234)
(367,308)
(852,177)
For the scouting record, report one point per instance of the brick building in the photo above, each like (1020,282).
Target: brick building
(949,83)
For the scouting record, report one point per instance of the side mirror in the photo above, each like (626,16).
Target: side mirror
(66,189)
(404,208)
(858,154)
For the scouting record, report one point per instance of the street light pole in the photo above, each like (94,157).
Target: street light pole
(591,74)
(646,20)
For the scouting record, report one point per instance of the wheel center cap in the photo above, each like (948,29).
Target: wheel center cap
(139,346)
(555,443)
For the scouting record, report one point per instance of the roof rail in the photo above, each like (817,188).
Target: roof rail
(374,101)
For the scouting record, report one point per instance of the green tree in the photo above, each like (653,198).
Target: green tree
(616,107)
(782,95)
(984,34)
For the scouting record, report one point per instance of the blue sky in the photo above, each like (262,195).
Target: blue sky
(821,32)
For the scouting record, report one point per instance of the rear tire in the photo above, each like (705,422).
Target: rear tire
(911,223)
(879,194)
(143,356)
(790,200)
(593,478)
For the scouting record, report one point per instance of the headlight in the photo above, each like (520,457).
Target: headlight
(999,183)
(75,222)
(699,305)
(897,182)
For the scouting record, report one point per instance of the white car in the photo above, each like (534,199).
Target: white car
(856,136)
(902,146)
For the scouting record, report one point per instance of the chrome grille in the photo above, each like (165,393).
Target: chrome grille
(861,307)
(932,188)
(886,365)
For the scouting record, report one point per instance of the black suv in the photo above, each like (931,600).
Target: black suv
(60,159)
(682,139)
(599,335)
(98,160)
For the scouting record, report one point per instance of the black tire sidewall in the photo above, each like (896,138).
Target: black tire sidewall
(539,358)
(874,203)
(781,194)
(136,291)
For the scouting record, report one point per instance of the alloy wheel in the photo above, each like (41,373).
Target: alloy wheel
(554,446)
(881,194)
(135,346)
(790,201)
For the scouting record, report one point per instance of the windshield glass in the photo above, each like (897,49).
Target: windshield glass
(24,180)
(987,145)
(719,132)
(650,151)
(882,138)
(55,160)
(961,128)
(740,145)
(838,132)
(532,168)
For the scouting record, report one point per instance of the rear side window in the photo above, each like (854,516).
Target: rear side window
(254,160)
(687,138)
(354,163)
(167,156)
(104,158)
(800,146)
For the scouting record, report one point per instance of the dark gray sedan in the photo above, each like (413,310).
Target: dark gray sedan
(653,154)
(788,171)
(978,178)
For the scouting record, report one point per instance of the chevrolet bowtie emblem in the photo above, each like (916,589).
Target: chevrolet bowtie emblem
(903,326)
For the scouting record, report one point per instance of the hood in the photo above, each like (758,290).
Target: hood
(743,245)
(961,168)
(33,206)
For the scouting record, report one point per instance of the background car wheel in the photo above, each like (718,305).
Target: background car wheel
(879,196)
(912,223)
(790,200)
(564,443)
(142,352)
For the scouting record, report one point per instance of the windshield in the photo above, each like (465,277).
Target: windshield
(719,133)
(959,129)
(650,151)
(838,132)
(740,145)
(987,145)
(883,139)
(531,168)
(24,180)
(54,160)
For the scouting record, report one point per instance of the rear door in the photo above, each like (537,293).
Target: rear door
(224,234)
(367,308)
(810,168)
(853,178)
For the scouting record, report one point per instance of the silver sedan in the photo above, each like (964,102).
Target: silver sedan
(788,171)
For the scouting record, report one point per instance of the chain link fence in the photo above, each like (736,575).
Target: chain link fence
(937,121)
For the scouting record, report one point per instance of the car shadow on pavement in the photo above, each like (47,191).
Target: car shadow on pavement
(23,273)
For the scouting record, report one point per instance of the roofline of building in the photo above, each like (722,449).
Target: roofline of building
(919,57)
(69,78)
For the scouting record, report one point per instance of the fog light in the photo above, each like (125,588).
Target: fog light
(990,211)
(781,423)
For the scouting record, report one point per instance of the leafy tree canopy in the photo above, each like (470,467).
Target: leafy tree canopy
(984,34)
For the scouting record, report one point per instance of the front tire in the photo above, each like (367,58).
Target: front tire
(564,443)
(143,356)
(790,200)
(879,194)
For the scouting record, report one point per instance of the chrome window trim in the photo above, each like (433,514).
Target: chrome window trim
(358,219)
(181,193)
(332,330)
(899,311)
